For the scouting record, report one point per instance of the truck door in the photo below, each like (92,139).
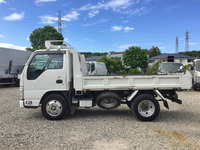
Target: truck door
(45,73)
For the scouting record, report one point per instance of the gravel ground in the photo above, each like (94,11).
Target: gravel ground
(98,129)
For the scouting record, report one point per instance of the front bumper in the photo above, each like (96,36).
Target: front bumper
(21,103)
(29,104)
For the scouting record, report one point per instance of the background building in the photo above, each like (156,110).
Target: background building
(172,57)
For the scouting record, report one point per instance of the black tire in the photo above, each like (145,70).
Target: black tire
(54,107)
(195,88)
(108,100)
(146,107)
(17,83)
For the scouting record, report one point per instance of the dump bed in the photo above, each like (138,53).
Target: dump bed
(82,82)
(137,82)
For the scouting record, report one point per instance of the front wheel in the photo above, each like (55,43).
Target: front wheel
(54,107)
(146,107)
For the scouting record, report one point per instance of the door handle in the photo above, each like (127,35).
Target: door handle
(59,81)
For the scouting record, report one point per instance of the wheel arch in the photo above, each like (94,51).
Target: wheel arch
(137,93)
(64,94)
(50,93)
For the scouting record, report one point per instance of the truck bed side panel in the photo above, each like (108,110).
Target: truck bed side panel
(143,82)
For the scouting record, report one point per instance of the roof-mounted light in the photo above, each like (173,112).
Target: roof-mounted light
(64,45)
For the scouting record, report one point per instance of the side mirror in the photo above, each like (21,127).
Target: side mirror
(191,68)
(181,68)
(10,67)
(159,69)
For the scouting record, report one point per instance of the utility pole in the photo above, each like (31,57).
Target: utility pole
(59,23)
(187,41)
(177,44)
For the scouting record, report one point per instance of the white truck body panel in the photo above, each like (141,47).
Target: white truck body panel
(138,82)
(18,58)
(196,73)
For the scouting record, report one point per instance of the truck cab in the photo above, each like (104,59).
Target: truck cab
(96,68)
(170,68)
(196,73)
(46,71)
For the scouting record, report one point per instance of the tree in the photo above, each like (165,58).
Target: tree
(40,35)
(135,57)
(29,49)
(192,53)
(146,51)
(113,65)
(154,51)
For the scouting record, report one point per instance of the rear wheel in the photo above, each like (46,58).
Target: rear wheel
(54,107)
(146,107)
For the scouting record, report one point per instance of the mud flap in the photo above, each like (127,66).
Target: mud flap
(67,97)
(165,104)
(162,99)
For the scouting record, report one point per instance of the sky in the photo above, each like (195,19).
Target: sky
(104,25)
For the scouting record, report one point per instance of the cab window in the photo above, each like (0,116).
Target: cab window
(42,62)
(92,67)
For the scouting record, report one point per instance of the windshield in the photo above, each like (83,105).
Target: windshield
(88,67)
(170,67)
(198,66)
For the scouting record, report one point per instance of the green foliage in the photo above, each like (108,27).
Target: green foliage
(29,49)
(122,72)
(192,53)
(89,54)
(134,71)
(187,67)
(40,35)
(135,57)
(153,69)
(113,65)
(154,51)
(146,51)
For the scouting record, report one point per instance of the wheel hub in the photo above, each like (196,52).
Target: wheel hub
(54,108)
(146,108)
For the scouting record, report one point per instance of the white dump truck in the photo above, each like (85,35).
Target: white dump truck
(96,68)
(196,74)
(53,79)
(12,62)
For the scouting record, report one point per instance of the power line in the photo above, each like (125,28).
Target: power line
(187,41)
(59,23)
(177,44)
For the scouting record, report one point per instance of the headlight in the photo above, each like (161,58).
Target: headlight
(21,90)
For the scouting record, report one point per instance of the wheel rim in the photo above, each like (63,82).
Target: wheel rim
(54,108)
(146,108)
(108,102)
